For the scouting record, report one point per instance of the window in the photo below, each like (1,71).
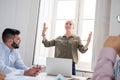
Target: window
(64,12)
(82,12)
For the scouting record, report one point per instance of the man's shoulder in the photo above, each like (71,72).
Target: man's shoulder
(1,45)
(2,49)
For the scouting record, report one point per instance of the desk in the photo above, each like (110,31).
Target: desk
(41,76)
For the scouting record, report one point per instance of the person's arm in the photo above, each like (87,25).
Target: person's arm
(3,67)
(49,43)
(33,71)
(45,41)
(105,64)
(7,70)
(104,69)
(19,64)
(88,41)
(81,46)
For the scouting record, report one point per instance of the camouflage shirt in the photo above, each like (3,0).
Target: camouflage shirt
(66,47)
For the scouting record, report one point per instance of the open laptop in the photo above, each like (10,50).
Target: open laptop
(55,66)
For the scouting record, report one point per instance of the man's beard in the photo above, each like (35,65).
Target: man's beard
(14,45)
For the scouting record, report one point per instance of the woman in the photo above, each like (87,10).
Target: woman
(66,46)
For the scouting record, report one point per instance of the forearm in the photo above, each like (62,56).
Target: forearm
(19,64)
(6,69)
(16,73)
(86,46)
(44,38)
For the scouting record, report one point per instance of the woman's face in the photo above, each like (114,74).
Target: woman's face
(69,26)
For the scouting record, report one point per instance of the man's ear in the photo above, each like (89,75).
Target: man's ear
(10,41)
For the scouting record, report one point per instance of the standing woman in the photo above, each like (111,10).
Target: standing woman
(66,46)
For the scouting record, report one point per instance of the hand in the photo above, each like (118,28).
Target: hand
(89,37)
(2,76)
(44,28)
(37,68)
(34,71)
(88,41)
(113,42)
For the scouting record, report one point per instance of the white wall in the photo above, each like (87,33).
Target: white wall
(105,24)
(22,15)
(115,11)
(101,30)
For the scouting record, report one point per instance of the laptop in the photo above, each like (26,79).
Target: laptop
(55,66)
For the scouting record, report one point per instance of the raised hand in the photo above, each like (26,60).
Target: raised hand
(88,41)
(44,28)
(89,37)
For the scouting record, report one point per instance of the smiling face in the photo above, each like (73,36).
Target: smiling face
(69,26)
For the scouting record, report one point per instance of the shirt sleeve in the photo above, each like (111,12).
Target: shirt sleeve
(6,69)
(104,69)
(19,64)
(48,43)
(16,73)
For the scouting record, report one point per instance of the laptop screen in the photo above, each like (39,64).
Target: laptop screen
(55,66)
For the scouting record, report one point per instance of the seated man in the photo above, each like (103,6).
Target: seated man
(104,69)
(10,59)
(2,76)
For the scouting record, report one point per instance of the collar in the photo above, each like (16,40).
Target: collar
(6,47)
(72,36)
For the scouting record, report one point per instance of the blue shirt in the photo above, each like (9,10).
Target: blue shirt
(10,60)
(117,70)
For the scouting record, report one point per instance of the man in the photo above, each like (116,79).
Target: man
(104,69)
(10,59)
(2,76)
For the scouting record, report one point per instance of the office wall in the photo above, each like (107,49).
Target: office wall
(105,24)
(115,11)
(22,15)
(101,30)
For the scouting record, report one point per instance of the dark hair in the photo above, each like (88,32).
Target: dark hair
(9,33)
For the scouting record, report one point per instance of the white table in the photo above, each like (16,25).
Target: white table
(41,76)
